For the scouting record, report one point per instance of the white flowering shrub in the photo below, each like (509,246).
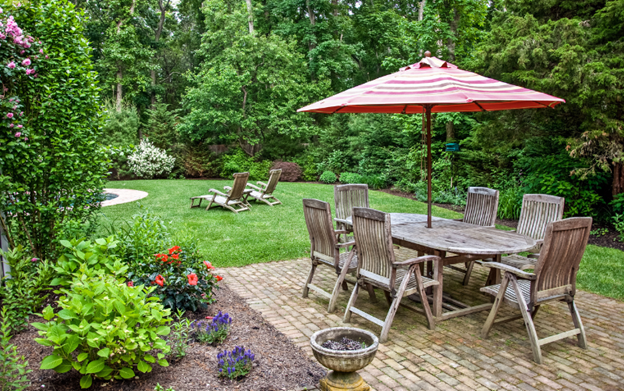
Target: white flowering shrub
(148,161)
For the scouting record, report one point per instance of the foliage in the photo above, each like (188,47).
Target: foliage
(57,173)
(25,290)
(118,157)
(184,281)
(350,177)
(310,171)
(239,161)
(178,340)
(290,171)
(13,367)
(599,232)
(161,388)
(161,125)
(199,161)
(121,125)
(375,181)
(328,177)
(97,255)
(618,222)
(510,203)
(235,364)
(115,328)
(213,332)
(148,161)
(618,204)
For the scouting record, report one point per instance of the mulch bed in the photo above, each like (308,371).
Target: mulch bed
(278,364)
(607,240)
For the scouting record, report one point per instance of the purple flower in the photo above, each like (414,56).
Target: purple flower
(11,65)
(26,62)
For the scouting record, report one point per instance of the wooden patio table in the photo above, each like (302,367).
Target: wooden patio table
(455,242)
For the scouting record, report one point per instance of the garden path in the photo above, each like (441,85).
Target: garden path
(453,356)
(124,196)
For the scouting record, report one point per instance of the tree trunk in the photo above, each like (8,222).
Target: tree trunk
(618,178)
(311,44)
(421,10)
(120,66)
(450,131)
(250,11)
(161,23)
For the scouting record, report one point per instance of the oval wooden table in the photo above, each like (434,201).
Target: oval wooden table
(455,242)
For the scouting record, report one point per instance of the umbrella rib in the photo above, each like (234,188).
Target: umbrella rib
(548,107)
(481,107)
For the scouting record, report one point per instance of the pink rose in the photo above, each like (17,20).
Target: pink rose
(41,51)
(18,134)
(11,65)
(25,138)
(30,71)
(12,125)
(47,57)
(26,62)
(20,126)
(21,113)
(22,52)
(9,115)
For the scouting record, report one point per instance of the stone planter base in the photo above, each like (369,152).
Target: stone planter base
(343,381)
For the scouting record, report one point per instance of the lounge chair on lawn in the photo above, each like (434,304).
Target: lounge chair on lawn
(233,198)
(264,193)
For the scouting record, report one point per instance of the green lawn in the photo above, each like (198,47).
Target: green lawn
(267,233)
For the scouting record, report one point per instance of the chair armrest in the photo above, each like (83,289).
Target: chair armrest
(347,244)
(511,269)
(341,231)
(414,261)
(262,184)
(254,187)
(217,192)
(228,188)
(533,255)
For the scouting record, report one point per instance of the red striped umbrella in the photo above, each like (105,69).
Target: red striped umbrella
(432,86)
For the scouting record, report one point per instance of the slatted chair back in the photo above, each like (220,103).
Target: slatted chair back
(560,257)
(319,222)
(373,241)
(240,182)
(538,210)
(348,197)
(272,183)
(481,206)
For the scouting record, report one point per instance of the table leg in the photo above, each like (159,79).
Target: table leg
(438,291)
(494,277)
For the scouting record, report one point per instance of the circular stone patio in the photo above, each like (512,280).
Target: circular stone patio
(123,196)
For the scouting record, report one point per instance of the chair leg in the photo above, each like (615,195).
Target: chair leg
(425,301)
(209,205)
(351,303)
(339,281)
(576,318)
(371,293)
(388,297)
(309,281)
(345,287)
(528,321)
(393,309)
(497,302)
(469,266)
(534,313)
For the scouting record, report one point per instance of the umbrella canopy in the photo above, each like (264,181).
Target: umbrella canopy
(432,86)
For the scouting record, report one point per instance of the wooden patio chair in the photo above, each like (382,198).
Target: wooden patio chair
(232,200)
(538,210)
(378,267)
(264,192)
(481,209)
(325,249)
(554,278)
(346,197)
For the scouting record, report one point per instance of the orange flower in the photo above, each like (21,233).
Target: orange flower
(192,279)
(175,256)
(208,265)
(219,278)
(174,249)
(159,280)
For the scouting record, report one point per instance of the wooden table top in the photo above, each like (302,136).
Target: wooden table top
(455,236)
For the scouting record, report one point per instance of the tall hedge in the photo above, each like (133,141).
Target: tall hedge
(53,170)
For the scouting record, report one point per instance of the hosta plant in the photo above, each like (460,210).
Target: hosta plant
(104,329)
(181,279)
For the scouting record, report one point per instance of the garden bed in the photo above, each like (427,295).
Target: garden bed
(278,364)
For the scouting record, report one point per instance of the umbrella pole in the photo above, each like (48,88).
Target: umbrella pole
(428,115)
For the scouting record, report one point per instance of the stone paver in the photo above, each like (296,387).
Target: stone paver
(124,195)
(453,356)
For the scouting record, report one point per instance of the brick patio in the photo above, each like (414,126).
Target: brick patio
(452,357)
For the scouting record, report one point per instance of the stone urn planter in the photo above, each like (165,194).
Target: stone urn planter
(344,363)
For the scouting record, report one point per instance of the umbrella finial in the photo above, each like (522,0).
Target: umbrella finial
(427,53)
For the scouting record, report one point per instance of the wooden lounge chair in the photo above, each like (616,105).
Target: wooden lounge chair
(538,210)
(377,267)
(264,193)
(554,278)
(346,197)
(325,249)
(481,209)
(232,200)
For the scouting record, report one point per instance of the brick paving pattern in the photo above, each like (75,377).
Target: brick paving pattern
(453,356)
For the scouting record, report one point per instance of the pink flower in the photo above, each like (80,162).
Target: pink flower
(18,134)
(130,283)
(20,126)
(14,107)
(41,51)
(12,125)
(23,51)
(25,138)
(26,62)
(11,65)
(9,115)
(21,113)
(47,57)
(2,36)
(30,71)
(34,260)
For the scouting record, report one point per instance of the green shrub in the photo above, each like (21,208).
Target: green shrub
(350,177)
(510,203)
(121,126)
(239,161)
(184,281)
(618,222)
(309,169)
(13,367)
(105,328)
(375,181)
(618,204)
(328,177)
(96,255)
(25,290)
